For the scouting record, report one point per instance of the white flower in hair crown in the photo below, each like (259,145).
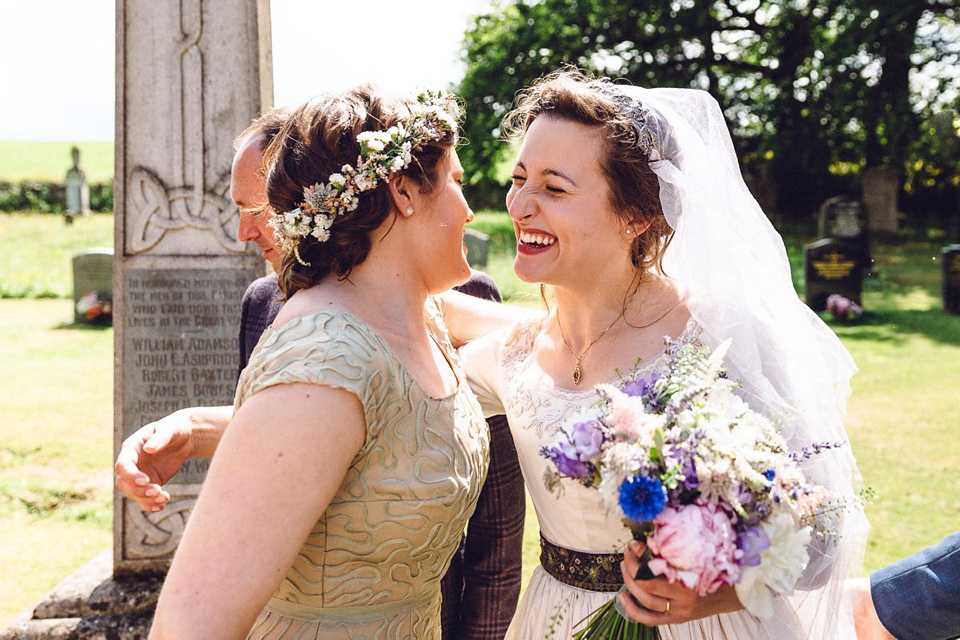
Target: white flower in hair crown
(382,153)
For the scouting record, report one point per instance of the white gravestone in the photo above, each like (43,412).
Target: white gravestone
(190,76)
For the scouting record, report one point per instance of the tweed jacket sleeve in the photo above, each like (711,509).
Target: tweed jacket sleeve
(482,587)
(261,304)
(918,598)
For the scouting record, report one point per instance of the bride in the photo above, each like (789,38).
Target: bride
(630,205)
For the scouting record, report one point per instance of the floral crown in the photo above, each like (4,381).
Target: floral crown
(382,153)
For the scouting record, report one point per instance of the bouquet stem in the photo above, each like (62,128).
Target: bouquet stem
(609,622)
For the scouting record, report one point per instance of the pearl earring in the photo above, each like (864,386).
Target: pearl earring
(409,211)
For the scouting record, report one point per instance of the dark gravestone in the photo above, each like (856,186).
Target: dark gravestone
(92,284)
(845,219)
(477,244)
(832,266)
(951,279)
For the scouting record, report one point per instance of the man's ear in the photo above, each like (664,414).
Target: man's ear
(402,191)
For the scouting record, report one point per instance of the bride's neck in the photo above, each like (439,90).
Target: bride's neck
(585,311)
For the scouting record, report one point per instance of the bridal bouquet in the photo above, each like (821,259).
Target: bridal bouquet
(709,484)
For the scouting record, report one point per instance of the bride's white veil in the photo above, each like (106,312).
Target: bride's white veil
(791,365)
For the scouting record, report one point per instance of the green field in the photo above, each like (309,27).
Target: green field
(48,161)
(56,433)
(56,448)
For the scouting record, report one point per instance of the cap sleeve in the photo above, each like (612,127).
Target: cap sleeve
(326,349)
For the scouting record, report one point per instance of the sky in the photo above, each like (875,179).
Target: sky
(58,74)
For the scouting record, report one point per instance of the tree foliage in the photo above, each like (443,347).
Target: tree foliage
(814,90)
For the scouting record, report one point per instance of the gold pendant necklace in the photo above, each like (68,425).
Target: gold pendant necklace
(576,368)
(577,373)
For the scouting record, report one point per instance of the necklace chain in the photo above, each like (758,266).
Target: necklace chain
(576,368)
(577,373)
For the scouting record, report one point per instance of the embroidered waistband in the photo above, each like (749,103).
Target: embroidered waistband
(590,571)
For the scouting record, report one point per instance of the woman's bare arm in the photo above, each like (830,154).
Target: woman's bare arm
(251,518)
(468,317)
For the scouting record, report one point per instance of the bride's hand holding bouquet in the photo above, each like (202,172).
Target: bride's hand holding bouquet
(655,601)
(707,484)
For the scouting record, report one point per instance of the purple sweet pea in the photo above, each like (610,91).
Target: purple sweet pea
(752,542)
(571,467)
(567,465)
(586,439)
(641,386)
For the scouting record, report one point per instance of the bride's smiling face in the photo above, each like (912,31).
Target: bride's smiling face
(560,204)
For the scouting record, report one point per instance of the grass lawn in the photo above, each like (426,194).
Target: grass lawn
(56,448)
(36,251)
(49,161)
(56,430)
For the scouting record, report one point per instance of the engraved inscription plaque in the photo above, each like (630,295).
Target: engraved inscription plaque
(181,330)
(180,333)
(191,75)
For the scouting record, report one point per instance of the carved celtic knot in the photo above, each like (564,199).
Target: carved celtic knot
(159,210)
(150,536)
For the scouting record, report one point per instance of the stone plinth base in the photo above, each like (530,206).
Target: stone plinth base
(91,603)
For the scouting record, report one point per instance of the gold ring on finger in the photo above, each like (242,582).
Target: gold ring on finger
(667,610)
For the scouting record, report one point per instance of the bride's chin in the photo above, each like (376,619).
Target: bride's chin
(524,274)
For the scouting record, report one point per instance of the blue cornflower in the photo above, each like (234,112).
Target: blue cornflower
(769,474)
(641,498)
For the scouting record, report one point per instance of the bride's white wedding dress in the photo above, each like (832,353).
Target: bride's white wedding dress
(733,266)
(507,380)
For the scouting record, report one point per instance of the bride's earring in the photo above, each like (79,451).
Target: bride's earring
(409,211)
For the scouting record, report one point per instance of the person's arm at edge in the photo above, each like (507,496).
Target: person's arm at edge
(468,318)
(155,452)
(306,432)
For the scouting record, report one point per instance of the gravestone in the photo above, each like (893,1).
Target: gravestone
(845,219)
(832,266)
(951,279)
(190,75)
(477,244)
(92,275)
(880,189)
(76,188)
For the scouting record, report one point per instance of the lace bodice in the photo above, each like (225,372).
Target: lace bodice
(504,374)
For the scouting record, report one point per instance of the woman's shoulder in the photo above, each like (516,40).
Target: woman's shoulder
(318,336)
(517,336)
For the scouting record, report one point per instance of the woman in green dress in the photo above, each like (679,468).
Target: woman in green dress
(354,395)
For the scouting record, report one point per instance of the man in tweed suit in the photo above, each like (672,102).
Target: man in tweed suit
(917,598)
(482,585)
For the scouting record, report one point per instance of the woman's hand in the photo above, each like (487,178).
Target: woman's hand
(157,451)
(664,603)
